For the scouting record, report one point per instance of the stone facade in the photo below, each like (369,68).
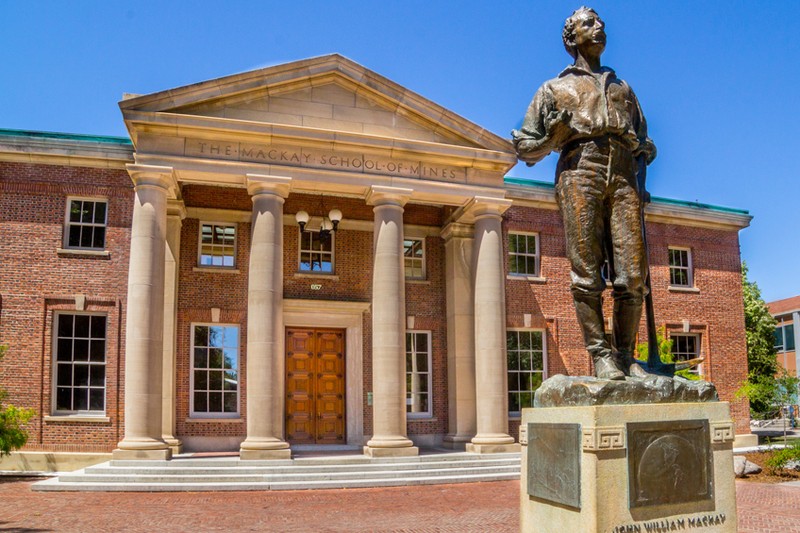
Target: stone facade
(311,136)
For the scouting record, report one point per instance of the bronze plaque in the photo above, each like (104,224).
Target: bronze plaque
(554,463)
(669,462)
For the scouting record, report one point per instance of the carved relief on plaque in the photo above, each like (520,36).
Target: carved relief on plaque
(669,462)
(554,469)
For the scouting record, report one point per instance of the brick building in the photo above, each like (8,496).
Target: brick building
(310,254)
(787,331)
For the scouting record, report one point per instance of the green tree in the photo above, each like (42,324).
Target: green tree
(13,434)
(665,352)
(768,385)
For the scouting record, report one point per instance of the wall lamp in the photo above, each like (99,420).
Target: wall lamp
(329,223)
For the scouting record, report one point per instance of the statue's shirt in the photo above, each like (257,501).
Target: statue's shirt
(578,105)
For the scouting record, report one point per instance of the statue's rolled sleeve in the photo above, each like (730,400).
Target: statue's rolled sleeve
(535,139)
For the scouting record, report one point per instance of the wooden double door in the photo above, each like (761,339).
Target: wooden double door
(315,381)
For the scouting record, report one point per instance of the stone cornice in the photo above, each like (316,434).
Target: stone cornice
(63,151)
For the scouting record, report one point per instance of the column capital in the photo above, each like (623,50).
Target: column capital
(457,230)
(176,208)
(483,206)
(153,176)
(264,184)
(381,195)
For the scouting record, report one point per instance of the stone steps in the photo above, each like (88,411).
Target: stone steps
(333,472)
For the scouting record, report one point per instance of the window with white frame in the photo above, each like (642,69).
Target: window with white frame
(526,366)
(414,258)
(686,346)
(316,252)
(215,370)
(79,364)
(86,222)
(418,373)
(680,267)
(784,338)
(523,254)
(217,245)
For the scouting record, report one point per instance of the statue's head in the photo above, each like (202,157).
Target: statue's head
(584,27)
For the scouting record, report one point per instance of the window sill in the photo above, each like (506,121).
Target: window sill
(677,288)
(83,253)
(421,418)
(216,270)
(414,281)
(525,277)
(99,419)
(235,419)
(316,275)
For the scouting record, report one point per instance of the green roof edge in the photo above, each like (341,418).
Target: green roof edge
(655,199)
(67,136)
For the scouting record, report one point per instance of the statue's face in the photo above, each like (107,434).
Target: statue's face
(590,33)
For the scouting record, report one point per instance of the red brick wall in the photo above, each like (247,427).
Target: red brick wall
(35,281)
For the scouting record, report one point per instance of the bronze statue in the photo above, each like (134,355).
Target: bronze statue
(594,120)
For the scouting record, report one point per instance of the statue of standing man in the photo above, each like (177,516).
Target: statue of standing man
(594,120)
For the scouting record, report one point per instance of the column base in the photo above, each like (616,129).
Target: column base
(456,442)
(264,449)
(174,444)
(264,455)
(120,454)
(407,451)
(493,448)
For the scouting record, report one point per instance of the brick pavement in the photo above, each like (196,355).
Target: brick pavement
(479,507)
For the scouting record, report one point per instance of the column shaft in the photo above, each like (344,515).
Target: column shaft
(145,317)
(491,366)
(171,270)
(460,335)
(265,320)
(388,329)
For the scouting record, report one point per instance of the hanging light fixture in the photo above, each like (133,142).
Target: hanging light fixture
(328,225)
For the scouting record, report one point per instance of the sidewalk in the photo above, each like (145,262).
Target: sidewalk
(480,507)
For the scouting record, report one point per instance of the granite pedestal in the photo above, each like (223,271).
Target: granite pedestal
(621,468)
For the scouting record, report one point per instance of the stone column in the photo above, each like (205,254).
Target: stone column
(388,326)
(265,319)
(460,335)
(176,212)
(491,366)
(144,344)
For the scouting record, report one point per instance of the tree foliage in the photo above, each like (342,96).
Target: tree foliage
(13,434)
(768,385)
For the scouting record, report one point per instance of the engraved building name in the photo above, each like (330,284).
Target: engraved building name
(311,158)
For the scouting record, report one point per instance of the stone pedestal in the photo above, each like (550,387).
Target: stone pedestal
(617,468)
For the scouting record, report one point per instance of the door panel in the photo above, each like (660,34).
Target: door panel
(315,384)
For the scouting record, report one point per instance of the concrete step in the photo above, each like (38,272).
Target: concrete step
(55,485)
(231,477)
(244,468)
(229,473)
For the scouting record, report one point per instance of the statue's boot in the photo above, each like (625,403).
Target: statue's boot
(605,368)
(627,314)
(589,308)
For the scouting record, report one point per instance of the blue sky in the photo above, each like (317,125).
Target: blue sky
(717,79)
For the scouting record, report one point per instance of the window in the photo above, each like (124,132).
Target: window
(523,254)
(526,364)
(685,347)
(418,373)
(316,252)
(85,228)
(784,338)
(414,258)
(215,370)
(218,245)
(80,364)
(680,267)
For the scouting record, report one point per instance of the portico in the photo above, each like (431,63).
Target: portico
(311,133)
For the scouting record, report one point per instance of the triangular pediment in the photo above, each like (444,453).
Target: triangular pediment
(329,93)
